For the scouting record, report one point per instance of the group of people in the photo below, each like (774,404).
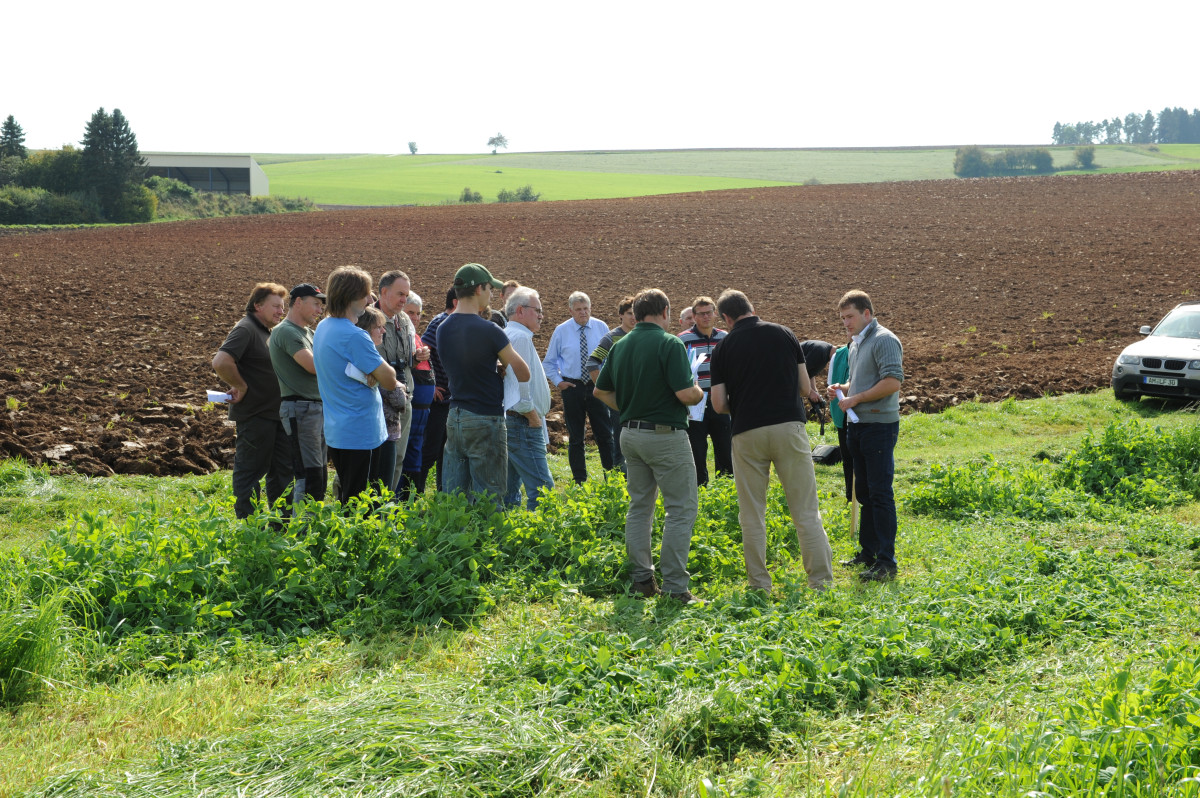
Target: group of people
(470,396)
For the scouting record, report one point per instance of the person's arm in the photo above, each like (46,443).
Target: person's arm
(805,384)
(385,377)
(720,399)
(608,397)
(691,396)
(885,387)
(551,365)
(509,357)
(227,369)
(304,357)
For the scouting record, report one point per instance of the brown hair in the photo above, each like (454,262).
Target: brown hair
(390,277)
(372,318)
(346,284)
(650,302)
(624,305)
(703,300)
(858,299)
(734,304)
(262,291)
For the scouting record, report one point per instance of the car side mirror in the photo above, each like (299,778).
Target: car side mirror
(1144,329)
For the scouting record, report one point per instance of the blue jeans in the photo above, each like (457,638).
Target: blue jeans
(871,448)
(476,454)
(526,461)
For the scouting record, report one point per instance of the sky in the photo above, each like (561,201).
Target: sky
(359,77)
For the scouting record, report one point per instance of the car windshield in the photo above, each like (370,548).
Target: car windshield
(1180,323)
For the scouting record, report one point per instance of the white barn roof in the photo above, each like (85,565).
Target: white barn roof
(225,174)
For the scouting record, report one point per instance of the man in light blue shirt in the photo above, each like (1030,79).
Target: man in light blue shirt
(526,403)
(566,368)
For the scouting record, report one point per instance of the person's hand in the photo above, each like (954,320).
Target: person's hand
(236,395)
(371,381)
(564,385)
(831,391)
(535,420)
(439,394)
(421,354)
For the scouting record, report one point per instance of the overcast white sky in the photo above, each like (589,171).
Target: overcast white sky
(354,76)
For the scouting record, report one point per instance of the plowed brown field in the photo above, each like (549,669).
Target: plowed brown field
(997,288)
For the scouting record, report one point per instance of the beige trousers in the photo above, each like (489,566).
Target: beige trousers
(787,447)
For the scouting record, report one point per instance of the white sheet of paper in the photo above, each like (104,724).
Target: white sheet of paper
(219,396)
(696,411)
(355,373)
(850,414)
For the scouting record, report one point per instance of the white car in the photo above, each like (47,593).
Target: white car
(1166,363)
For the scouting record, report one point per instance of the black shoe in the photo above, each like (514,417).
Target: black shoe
(878,573)
(859,559)
(685,597)
(647,589)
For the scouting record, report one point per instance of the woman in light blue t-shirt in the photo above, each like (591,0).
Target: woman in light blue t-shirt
(348,370)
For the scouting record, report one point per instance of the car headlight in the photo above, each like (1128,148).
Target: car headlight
(1129,360)
(1194,365)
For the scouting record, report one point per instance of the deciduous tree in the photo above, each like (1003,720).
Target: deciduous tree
(497,141)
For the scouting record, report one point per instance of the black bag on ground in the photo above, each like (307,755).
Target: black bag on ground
(827,454)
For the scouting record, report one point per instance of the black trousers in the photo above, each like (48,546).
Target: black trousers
(435,442)
(717,426)
(580,405)
(262,450)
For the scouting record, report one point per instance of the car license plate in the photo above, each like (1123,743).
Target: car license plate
(1167,381)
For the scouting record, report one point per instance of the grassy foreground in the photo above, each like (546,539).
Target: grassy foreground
(437,179)
(1040,641)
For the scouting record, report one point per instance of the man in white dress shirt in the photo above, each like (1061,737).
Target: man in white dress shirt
(566,368)
(526,403)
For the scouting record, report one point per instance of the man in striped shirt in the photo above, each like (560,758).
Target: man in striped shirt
(705,422)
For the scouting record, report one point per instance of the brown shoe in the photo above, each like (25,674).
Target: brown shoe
(685,597)
(647,589)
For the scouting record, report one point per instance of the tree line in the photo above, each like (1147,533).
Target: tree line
(103,182)
(1171,126)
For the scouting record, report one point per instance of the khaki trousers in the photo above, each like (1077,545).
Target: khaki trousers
(786,446)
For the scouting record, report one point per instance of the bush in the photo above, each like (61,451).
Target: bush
(136,204)
(974,162)
(39,206)
(1085,157)
(470,196)
(168,188)
(970,162)
(523,194)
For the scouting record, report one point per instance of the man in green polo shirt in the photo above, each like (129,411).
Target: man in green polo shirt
(648,379)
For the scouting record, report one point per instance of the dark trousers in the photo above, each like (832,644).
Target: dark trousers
(580,405)
(262,450)
(872,448)
(433,449)
(847,462)
(358,468)
(614,420)
(716,426)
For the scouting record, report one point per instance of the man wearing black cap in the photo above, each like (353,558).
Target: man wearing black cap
(291,346)
(468,347)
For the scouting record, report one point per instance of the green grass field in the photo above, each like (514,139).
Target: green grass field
(1041,639)
(436,179)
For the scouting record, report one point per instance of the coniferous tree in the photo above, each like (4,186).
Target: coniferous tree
(12,139)
(112,164)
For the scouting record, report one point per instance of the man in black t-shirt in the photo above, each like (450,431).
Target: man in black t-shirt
(244,362)
(757,374)
(468,348)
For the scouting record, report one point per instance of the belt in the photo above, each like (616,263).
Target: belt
(575,381)
(648,425)
(296,398)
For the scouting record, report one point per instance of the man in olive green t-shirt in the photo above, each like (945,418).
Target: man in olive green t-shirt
(648,379)
(303,416)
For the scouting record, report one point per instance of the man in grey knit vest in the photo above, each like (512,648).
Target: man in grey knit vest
(872,404)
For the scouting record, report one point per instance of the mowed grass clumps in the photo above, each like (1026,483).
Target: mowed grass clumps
(500,655)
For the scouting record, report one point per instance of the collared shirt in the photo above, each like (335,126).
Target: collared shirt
(646,369)
(759,365)
(600,353)
(247,345)
(698,342)
(521,397)
(563,361)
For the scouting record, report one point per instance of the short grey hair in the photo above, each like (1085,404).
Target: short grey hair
(576,297)
(415,299)
(521,295)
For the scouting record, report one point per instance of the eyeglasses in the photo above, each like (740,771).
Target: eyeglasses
(535,310)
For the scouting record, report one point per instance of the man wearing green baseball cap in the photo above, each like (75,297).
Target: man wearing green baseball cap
(468,345)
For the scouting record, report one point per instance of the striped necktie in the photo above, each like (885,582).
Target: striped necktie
(583,354)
